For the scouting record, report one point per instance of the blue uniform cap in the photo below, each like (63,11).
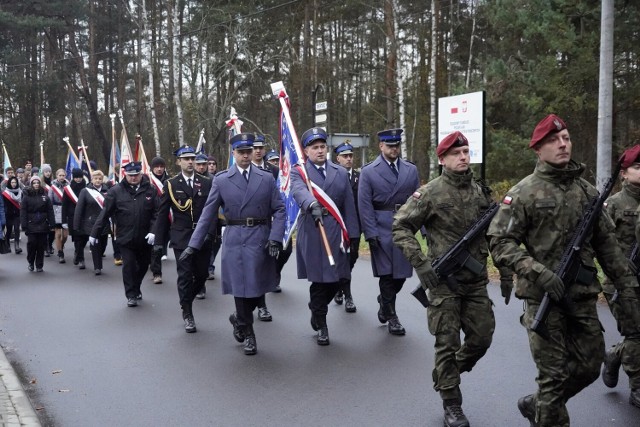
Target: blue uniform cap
(344,148)
(242,141)
(258,140)
(390,136)
(312,135)
(273,154)
(202,158)
(133,168)
(185,151)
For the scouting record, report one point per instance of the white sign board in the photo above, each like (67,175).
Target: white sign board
(464,113)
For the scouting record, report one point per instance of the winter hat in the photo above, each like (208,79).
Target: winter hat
(46,167)
(35,178)
(157,161)
(77,173)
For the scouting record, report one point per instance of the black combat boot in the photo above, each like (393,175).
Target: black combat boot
(394,325)
(381,315)
(611,368)
(249,341)
(18,250)
(527,407)
(81,264)
(338,299)
(634,397)
(453,415)
(189,321)
(323,331)
(238,333)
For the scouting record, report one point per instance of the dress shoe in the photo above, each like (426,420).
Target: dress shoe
(117,261)
(157,279)
(349,306)
(61,257)
(381,316)
(81,265)
(189,323)
(323,336)
(39,270)
(132,302)
(278,289)
(611,367)
(46,254)
(202,293)
(264,315)
(250,346)
(395,327)
(97,272)
(238,333)
(453,415)
(339,298)
(30,267)
(18,251)
(527,407)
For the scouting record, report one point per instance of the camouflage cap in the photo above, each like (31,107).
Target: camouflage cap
(547,126)
(455,139)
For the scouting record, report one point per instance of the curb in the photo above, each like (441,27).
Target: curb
(15,406)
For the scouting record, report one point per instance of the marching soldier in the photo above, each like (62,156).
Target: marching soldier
(385,185)
(537,218)
(255,218)
(133,204)
(447,207)
(311,254)
(184,196)
(344,157)
(623,209)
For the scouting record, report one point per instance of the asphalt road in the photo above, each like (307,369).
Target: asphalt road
(86,359)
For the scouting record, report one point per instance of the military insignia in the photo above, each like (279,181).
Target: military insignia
(148,197)
(557,124)
(507,200)
(416,195)
(605,204)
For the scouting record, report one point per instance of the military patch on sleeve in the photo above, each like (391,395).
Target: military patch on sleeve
(417,195)
(507,200)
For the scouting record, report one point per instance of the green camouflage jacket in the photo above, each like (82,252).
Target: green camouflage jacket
(538,217)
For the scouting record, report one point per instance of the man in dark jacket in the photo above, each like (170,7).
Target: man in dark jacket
(133,204)
(69,202)
(159,170)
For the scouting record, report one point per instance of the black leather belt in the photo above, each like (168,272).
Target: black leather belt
(383,207)
(249,222)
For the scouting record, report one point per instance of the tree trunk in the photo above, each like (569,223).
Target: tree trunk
(392,58)
(150,91)
(177,65)
(432,77)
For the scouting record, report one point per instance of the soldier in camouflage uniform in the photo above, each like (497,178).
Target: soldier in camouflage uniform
(447,207)
(623,209)
(536,219)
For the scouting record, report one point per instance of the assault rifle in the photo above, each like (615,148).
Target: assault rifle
(458,256)
(571,270)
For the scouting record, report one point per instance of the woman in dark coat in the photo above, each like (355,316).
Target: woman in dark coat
(90,204)
(13,198)
(69,203)
(37,219)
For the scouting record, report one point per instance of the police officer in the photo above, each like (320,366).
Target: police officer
(536,219)
(133,204)
(385,185)
(623,209)
(202,165)
(344,157)
(312,257)
(273,157)
(184,196)
(447,207)
(255,220)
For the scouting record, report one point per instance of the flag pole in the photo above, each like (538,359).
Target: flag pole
(84,149)
(281,94)
(41,153)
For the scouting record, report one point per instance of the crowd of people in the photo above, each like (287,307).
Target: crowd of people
(146,214)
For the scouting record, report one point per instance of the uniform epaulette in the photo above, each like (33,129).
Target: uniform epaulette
(409,161)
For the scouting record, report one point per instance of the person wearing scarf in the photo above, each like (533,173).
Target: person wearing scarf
(13,198)
(56,195)
(36,219)
(76,185)
(90,204)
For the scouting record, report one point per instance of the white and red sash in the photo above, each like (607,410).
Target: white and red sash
(324,199)
(9,196)
(97,196)
(69,192)
(58,192)
(156,183)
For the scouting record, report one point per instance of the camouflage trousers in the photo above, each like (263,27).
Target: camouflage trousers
(468,310)
(568,361)
(627,350)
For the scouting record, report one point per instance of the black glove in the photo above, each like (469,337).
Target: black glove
(187,253)
(157,248)
(274,248)
(373,243)
(427,276)
(551,283)
(316,212)
(506,286)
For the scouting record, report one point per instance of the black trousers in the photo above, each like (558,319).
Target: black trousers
(321,295)
(244,309)
(36,245)
(98,250)
(79,242)
(156,261)
(116,248)
(389,288)
(192,274)
(135,263)
(13,229)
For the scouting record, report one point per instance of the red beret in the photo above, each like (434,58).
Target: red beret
(548,125)
(455,139)
(630,156)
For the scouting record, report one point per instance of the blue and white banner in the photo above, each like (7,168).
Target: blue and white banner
(288,159)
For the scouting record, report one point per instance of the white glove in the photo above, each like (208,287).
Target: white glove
(65,226)
(93,241)
(150,238)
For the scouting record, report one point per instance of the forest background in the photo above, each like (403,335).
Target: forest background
(177,66)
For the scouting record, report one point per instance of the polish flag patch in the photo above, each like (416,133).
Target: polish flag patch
(507,200)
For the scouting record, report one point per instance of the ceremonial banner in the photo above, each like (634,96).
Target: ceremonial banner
(114,159)
(235,127)
(146,169)
(125,152)
(72,161)
(6,163)
(201,142)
